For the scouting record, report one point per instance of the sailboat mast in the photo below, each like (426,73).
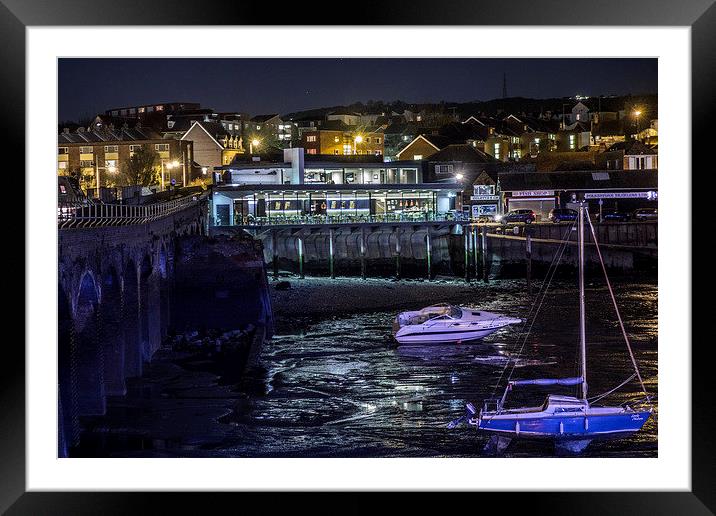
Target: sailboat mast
(582,314)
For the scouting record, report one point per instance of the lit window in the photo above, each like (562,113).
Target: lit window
(312,138)
(312,151)
(141,110)
(61,150)
(417,157)
(572,141)
(161,147)
(258,127)
(160,108)
(367,139)
(85,150)
(110,148)
(62,164)
(377,140)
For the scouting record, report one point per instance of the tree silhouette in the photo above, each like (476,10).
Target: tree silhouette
(141,169)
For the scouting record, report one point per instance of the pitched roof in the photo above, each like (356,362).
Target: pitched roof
(579,180)
(108,134)
(263,118)
(463,153)
(632,148)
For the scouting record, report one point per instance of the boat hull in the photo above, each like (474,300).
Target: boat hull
(444,337)
(576,427)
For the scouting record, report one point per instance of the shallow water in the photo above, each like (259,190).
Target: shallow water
(340,387)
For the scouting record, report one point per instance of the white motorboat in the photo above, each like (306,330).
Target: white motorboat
(440,324)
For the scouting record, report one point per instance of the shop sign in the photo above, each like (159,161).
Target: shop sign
(621,195)
(532,193)
(483,198)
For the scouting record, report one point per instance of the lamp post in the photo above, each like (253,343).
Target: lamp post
(636,115)
(253,143)
(111,169)
(358,139)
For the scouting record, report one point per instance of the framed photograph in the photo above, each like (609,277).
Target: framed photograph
(482,306)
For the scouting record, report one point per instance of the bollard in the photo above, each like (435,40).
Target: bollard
(397,253)
(300,257)
(467,253)
(428,253)
(362,253)
(274,245)
(475,250)
(528,256)
(485,269)
(331,268)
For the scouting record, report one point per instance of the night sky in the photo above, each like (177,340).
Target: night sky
(258,86)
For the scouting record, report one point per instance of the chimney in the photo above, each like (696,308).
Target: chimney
(66,130)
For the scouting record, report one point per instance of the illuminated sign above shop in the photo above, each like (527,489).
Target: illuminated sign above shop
(532,193)
(651,195)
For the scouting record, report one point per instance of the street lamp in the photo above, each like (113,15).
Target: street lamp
(253,143)
(459,176)
(358,139)
(636,115)
(111,169)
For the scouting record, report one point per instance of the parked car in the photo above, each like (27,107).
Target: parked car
(615,216)
(560,214)
(645,214)
(526,216)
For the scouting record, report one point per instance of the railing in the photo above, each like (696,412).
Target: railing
(350,219)
(90,215)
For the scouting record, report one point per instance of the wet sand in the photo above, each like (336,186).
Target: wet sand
(324,297)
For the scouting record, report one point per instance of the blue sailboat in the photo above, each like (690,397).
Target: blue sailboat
(571,422)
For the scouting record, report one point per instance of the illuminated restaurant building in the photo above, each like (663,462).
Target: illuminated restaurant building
(328,191)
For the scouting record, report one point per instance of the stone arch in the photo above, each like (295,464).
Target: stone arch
(164,271)
(87,355)
(150,333)
(130,298)
(112,319)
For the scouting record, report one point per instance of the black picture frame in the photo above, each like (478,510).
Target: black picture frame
(700,15)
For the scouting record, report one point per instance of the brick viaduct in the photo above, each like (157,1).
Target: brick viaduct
(114,292)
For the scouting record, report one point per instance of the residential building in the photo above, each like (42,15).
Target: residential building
(89,154)
(423,146)
(269,130)
(142,110)
(346,116)
(574,137)
(213,144)
(629,155)
(337,139)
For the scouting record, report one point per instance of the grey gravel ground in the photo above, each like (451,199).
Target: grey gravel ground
(314,297)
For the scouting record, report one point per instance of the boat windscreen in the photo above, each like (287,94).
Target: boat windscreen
(455,312)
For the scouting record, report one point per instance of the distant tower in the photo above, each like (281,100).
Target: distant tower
(504,85)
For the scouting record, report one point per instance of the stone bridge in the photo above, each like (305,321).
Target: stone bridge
(114,289)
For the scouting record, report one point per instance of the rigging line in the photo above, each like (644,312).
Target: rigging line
(599,397)
(616,308)
(542,292)
(557,259)
(543,286)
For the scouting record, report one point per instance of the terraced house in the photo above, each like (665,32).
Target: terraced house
(95,156)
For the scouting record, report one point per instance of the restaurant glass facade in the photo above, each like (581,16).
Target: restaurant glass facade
(319,206)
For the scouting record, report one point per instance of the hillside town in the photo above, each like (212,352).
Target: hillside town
(399,160)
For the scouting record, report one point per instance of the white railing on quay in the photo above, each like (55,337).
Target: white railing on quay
(77,215)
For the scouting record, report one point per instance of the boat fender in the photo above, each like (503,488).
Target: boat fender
(517,427)
(586,423)
(561,427)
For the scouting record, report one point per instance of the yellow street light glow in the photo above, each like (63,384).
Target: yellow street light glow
(255,142)
(169,165)
(175,163)
(459,177)
(112,169)
(359,138)
(637,113)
